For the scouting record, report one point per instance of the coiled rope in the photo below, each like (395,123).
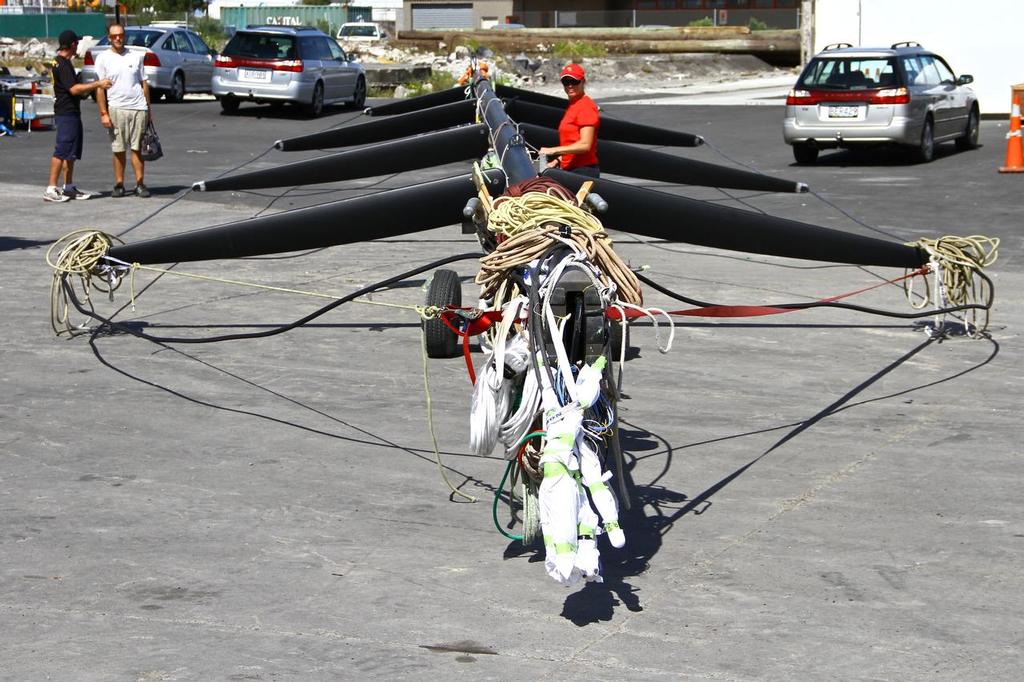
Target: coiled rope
(513,215)
(532,244)
(78,254)
(956,263)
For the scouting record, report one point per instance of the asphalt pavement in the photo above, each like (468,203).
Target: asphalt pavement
(817,495)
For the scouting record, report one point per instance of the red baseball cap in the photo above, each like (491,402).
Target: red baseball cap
(574,71)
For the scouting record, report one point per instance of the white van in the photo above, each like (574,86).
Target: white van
(361,32)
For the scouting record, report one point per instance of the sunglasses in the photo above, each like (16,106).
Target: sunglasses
(570,81)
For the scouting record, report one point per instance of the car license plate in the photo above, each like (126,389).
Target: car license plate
(843,112)
(256,75)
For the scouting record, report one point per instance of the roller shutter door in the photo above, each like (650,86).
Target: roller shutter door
(453,15)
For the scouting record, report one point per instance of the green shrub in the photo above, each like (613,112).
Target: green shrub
(578,49)
(211,31)
(703,21)
(756,24)
(439,80)
(504,78)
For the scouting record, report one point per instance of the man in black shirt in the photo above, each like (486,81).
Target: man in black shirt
(67,111)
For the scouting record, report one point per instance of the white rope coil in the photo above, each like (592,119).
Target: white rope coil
(957,261)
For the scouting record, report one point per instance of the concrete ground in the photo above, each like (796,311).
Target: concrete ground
(818,495)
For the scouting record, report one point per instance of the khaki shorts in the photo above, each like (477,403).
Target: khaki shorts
(127,130)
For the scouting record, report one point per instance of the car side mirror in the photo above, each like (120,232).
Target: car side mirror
(965,79)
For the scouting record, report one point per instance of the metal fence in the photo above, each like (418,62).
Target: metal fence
(770,18)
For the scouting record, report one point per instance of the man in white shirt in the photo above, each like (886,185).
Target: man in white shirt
(124,108)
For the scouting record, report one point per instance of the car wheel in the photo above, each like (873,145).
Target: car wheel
(805,154)
(970,137)
(925,150)
(229,104)
(177,91)
(359,94)
(316,104)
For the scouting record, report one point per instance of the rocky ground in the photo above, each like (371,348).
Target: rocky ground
(607,76)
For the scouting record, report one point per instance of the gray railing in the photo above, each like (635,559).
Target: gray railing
(772,18)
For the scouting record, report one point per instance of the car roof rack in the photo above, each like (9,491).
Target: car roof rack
(905,43)
(836,46)
(283,28)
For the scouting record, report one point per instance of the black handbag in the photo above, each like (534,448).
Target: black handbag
(150,150)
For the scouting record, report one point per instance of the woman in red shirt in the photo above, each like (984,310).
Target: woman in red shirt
(577,132)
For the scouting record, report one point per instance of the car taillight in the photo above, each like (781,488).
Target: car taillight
(151,59)
(883,96)
(293,65)
(890,96)
(800,97)
(225,62)
(88,58)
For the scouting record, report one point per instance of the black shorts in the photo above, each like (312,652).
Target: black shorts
(69,137)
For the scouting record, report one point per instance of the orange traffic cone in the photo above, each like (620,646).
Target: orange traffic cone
(1014,146)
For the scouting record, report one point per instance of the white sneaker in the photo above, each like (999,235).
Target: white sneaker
(55,195)
(72,192)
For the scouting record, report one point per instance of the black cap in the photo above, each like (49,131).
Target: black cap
(68,38)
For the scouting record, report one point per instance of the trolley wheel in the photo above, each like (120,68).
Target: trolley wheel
(445,290)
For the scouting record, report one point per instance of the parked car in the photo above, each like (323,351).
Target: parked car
(361,32)
(904,94)
(176,60)
(294,64)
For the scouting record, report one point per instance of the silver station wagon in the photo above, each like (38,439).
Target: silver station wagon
(280,64)
(856,96)
(176,60)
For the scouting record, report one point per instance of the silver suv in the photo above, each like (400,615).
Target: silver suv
(850,96)
(281,64)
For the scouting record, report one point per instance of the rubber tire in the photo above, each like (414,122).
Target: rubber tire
(359,95)
(315,106)
(970,138)
(229,104)
(924,152)
(805,154)
(445,289)
(176,93)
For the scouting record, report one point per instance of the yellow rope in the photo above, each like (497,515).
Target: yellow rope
(430,421)
(425,312)
(77,254)
(959,259)
(515,215)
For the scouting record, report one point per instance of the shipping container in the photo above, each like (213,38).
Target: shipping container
(327,18)
(50,25)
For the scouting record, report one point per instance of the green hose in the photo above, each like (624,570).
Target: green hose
(501,486)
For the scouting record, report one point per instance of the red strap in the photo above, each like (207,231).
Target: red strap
(754,310)
(469,360)
(476,325)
